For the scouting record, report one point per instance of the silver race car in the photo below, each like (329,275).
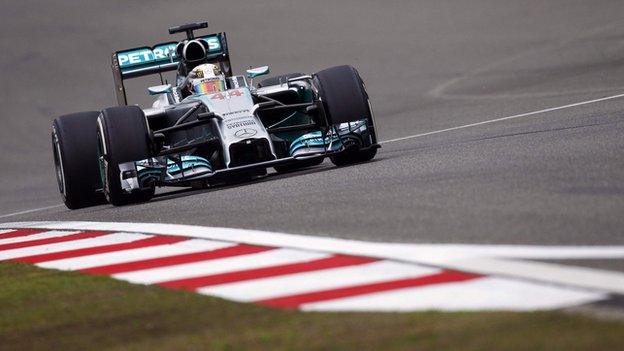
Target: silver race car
(210,127)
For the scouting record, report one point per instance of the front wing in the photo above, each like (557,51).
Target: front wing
(184,170)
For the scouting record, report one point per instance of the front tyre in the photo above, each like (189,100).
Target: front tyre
(74,147)
(122,136)
(346,100)
(353,155)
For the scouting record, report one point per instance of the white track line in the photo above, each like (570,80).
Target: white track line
(30,211)
(504,118)
(404,251)
(588,278)
(265,288)
(409,137)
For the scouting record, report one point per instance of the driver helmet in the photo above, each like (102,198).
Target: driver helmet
(206,79)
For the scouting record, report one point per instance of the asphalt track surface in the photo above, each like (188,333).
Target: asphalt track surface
(555,177)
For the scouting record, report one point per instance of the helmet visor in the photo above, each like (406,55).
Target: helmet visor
(209,86)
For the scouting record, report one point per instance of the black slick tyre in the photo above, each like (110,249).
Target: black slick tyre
(122,136)
(345,100)
(74,147)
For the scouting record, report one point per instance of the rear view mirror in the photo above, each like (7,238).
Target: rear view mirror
(159,89)
(258,71)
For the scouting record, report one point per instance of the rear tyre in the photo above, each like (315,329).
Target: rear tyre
(299,165)
(345,100)
(74,146)
(278,79)
(122,136)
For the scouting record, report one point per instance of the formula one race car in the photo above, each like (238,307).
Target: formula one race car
(211,127)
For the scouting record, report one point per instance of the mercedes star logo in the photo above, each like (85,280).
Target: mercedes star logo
(245,133)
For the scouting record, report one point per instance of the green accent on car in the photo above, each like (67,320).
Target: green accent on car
(146,57)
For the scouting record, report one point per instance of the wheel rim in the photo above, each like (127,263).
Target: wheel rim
(103,165)
(58,163)
(372,129)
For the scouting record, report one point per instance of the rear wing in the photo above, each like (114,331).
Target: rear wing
(145,60)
